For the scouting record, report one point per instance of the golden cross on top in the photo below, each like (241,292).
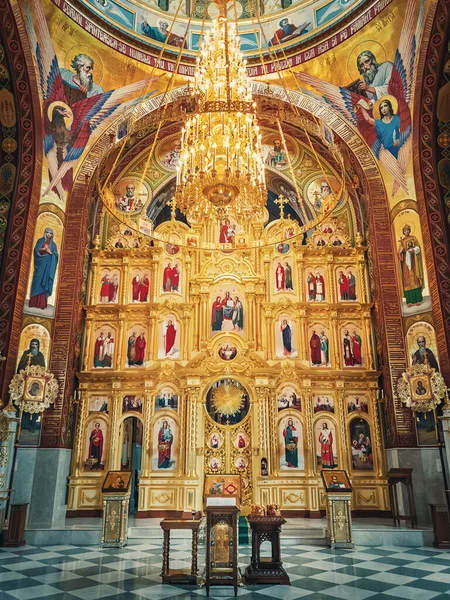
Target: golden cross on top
(173,206)
(281,201)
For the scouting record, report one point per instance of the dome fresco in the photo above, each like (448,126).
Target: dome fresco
(271,24)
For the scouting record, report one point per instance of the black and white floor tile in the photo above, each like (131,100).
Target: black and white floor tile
(133,573)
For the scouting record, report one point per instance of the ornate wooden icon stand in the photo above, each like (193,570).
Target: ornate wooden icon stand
(266,569)
(179,575)
(221,546)
(339,508)
(116,498)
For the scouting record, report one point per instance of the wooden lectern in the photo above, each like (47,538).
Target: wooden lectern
(221,546)
(266,569)
(339,508)
(116,498)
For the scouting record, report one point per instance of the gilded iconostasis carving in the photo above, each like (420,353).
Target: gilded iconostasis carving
(231,345)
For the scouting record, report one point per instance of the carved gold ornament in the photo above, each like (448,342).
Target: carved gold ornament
(421,388)
(33,389)
(227,400)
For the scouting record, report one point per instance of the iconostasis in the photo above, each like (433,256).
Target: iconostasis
(232,346)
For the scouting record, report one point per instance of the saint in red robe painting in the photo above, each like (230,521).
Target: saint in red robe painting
(241,441)
(326,447)
(143,290)
(99,351)
(169,337)
(279,277)
(135,285)
(113,287)
(311,281)
(140,350)
(343,286)
(217,314)
(357,353)
(104,289)
(165,441)
(314,344)
(167,278)
(175,278)
(227,233)
(96,445)
(349,360)
(320,287)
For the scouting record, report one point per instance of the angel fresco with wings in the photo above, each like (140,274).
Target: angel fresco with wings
(378,103)
(73,105)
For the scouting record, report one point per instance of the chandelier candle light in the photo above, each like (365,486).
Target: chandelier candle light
(221,165)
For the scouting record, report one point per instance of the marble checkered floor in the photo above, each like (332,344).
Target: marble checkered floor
(69,572)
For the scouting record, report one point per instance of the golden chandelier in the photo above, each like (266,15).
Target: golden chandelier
(221,165)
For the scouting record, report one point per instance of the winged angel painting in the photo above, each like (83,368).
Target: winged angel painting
(378,104)
(73,105)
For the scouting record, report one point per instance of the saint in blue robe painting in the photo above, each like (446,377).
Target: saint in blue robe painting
(378,102)
(291,444)
(45,263)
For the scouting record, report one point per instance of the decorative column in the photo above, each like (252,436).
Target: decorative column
(273,454)
(153,350)
(114,455)
(335,340)
(186,336)
(191,454)
(94,281)
(362,278)
(332,296)
(251,317)
(258,321)
(270,347)
(155,278)
(204,297)
(307,410)
(367,326)
(125,280)
(262,395)
(381,457)
(8,427)
(87,342)
(83,411)
(302,343)
(340,410)
(146,432)
(120,333)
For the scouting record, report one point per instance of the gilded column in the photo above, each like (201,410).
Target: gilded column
(262,395)
(302,349)
(267,277)
(153,351)
(343,459)
(331,280)
(196,324)
(301,278)
(310,445)
(114,455)
(204,317)
(269,345)
(155,278)
(94,281)
(87,343)
(125,281)
(191,454)
(273,454)
(188,266)
(120,336)
(183,431)
(381,467)
(258,321)
(362,278)
(335,340)
(80,432)
(186,337)
(367,340)
(251,314)
(147,434)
